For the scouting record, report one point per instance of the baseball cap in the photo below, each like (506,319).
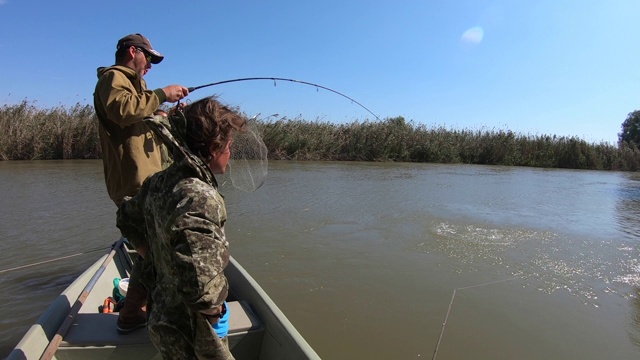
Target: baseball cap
(140,41)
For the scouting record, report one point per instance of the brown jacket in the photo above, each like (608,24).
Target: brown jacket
(130,151)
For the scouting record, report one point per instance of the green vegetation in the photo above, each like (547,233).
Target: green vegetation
(29,133)
(394,139)
(630,129)
(60,133)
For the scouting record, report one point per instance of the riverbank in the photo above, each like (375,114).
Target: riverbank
(31,133)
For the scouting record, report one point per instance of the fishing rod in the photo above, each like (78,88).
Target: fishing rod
(274,79)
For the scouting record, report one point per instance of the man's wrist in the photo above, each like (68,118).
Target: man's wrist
(161,95)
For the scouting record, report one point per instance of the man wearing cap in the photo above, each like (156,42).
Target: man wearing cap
(130,151)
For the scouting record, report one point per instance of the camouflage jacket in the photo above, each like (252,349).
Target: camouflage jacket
(180,215)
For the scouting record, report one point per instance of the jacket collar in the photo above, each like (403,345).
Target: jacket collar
(173,135)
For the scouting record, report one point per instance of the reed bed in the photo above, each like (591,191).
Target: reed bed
(30,133)
(27,132)
(394,139)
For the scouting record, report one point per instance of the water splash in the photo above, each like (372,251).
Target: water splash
(583,267)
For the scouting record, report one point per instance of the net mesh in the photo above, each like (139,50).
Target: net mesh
(248,164)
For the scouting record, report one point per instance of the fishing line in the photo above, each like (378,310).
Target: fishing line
(52,260)
(446,318)
(274,79)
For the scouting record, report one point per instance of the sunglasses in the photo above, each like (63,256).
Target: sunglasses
(147,56)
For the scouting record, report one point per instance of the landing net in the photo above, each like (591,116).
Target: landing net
(248,163)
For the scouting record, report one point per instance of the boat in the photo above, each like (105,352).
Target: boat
(75,326)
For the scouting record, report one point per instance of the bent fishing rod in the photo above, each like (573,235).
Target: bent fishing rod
(274,79)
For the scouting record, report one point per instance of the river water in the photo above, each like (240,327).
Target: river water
(379,260)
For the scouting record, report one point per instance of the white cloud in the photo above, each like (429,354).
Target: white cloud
(473,36)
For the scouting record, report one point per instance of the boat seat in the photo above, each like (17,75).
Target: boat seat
(96,330)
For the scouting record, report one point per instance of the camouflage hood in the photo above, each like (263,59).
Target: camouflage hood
(173,134)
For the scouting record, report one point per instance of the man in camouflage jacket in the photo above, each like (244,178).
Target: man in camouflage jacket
(182,214)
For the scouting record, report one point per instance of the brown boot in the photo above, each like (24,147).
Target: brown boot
(132,316)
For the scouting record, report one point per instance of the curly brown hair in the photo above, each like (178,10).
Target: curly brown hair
(209,125)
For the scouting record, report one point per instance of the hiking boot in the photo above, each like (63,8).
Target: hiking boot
(132,316)
(125,327)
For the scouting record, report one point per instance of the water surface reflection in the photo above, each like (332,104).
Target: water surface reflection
(355,253)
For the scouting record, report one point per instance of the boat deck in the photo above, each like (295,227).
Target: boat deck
(94,335)
(257,328)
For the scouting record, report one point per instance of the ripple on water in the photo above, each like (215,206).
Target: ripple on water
(583,267)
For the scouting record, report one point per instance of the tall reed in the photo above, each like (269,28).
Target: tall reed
(394,139)
(28,132)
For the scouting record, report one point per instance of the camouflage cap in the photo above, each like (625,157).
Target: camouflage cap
(140,41)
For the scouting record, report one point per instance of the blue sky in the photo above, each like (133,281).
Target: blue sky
(557,67)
